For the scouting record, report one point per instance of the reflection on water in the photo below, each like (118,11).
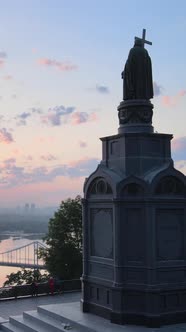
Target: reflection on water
(9,243)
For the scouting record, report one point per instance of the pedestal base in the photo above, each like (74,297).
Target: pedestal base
(147,307)
(135,116)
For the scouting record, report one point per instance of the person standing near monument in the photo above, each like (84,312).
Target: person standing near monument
(51,285)
(34,288)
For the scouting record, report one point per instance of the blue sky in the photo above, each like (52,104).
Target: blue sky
(60,85)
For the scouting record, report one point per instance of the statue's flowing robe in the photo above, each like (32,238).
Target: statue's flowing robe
(137,75)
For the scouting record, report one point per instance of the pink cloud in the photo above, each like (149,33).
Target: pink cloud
(82,117)
(170,101)
(62,66)
(179,143)
(34,50)
(79,117)
(167,100)
(45,140)
(82,144)
(93,116)
(50,193)
(52,118)
(5,136)
(2,62)
(12,174)
(8,77)
(48,157)
(29,157)
(16,151)
(82,162)
(182,93)
(7,164)
(57,115)
(3,56)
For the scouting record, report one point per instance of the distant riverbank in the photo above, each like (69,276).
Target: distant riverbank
(20,235)
(28,224)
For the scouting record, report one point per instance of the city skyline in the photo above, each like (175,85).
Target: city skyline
(60,85)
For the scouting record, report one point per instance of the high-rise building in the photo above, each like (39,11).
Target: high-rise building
(26,208)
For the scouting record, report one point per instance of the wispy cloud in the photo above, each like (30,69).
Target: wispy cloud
(3,56)
(34,50)
(83,117)
(82,144)
(22,118)
(57,115)
(29,157)
(36,110)
(102,89)
(48,157)
(171,101)
(5,136)
(80,117)
(45,139)
(181,165)
(8,77)
(60,65)
(179,143)
(82,167)
(158,89)
(24,115)
(179,148)
(12,175)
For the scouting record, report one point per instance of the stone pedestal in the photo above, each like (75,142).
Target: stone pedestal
(135,226)
(135,116)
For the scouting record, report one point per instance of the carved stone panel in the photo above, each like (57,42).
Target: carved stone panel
(101,270)
(114,148)
(101,232)
(151,147)
(132,147)
(135,235)
(169,234)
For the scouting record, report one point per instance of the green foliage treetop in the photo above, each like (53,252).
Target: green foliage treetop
(63,256)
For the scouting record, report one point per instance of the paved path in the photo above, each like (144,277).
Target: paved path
(16,307)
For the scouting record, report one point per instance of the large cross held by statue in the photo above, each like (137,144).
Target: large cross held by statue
(143,38)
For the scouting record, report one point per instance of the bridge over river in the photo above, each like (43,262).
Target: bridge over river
(25,256)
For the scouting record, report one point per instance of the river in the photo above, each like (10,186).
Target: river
(11,241)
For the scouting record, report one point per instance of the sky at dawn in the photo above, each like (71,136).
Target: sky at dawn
(60,85)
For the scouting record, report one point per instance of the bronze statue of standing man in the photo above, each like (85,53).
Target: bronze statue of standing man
(137,74)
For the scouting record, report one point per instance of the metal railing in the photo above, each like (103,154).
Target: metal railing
(41,289)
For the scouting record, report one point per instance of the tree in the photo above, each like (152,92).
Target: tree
(25,277)
(63,256)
